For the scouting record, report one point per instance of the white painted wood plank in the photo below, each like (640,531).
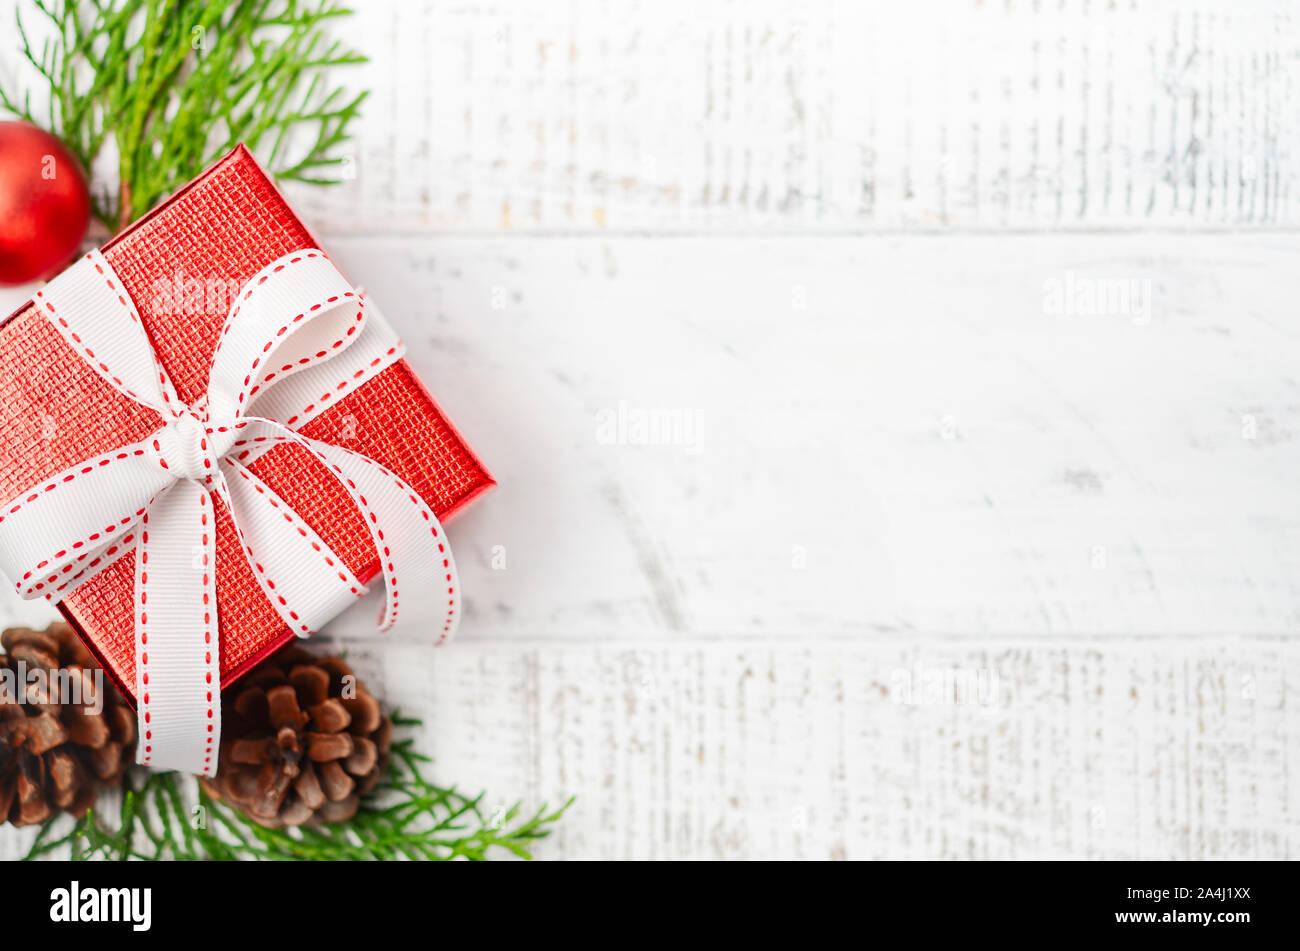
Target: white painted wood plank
(720,115)
(765,760)
(854,749)
(888,747)
(833,116)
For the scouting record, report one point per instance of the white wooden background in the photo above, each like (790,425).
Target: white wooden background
(823,237)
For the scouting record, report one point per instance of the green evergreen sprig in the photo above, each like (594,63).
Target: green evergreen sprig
(175,84)
(405,817)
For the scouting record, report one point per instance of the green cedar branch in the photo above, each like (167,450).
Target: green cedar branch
(173,85)
(406,817)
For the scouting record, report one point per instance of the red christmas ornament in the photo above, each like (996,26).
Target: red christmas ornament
(44,204)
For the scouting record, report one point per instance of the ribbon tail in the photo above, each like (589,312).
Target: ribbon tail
(301,577)
(178,669)
(419,571)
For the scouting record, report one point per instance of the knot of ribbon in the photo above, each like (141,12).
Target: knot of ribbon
(296,340)
(192,448)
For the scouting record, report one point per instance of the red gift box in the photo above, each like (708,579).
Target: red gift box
(218,231)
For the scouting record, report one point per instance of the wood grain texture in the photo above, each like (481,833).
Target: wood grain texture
(846,750)
(856,749)
(735,116)
(721,115)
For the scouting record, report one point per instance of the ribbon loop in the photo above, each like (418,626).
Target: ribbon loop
(296,320)
(87,305)
(296,311)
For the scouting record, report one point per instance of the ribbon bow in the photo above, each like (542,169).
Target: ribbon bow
(297,338)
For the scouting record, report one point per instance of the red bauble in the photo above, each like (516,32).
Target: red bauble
(44,204)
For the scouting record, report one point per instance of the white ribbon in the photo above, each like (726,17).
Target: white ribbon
(297,339)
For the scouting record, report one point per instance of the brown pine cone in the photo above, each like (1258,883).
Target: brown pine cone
(302,741)
(56,755)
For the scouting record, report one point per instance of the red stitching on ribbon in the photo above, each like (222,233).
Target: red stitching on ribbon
(81,543)
(107,555)
(246,393)
(144,641)
(442,549)
(249,293)
(252,560)
(346,384)
(89,467)
(291,517)
(261,571)
(87,353)
(384,552)
(391,610)
(207,634)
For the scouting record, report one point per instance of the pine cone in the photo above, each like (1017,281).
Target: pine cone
(301,741)
(56,755)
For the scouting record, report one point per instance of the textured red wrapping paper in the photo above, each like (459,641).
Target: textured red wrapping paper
(55,411)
